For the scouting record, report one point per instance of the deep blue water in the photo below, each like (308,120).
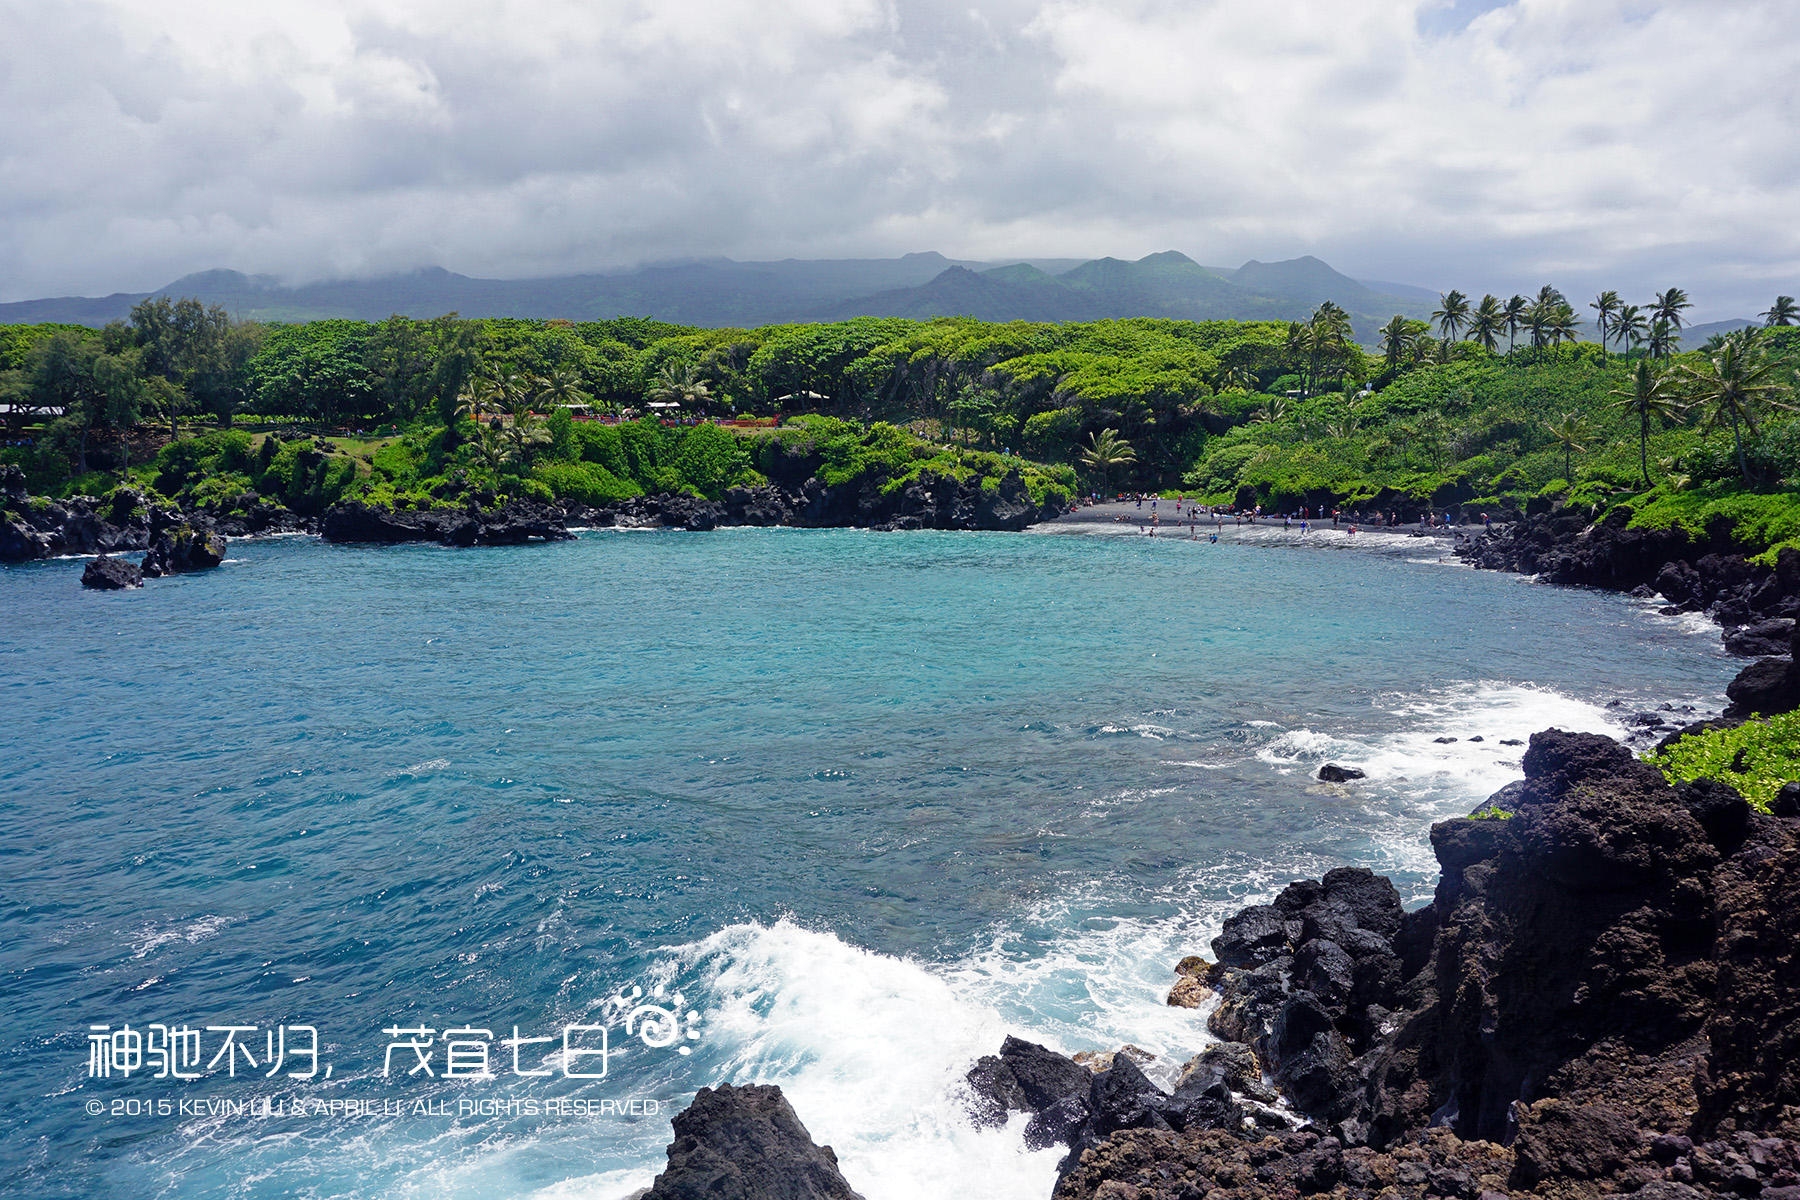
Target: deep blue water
(867,801)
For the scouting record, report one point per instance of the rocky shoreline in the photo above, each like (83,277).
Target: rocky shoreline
(33,528)
(1755,605)
(1601,999)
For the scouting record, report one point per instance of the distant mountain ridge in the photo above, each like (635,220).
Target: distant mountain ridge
(1168,284)
(721,292)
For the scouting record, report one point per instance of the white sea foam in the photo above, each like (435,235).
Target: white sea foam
(871,1049)
(1413,759)
(150,938)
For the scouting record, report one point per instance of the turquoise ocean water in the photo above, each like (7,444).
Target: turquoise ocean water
(866,802)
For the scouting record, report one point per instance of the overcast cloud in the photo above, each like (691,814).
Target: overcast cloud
(1474,144)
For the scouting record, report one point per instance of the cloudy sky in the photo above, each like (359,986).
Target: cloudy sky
(1480,144)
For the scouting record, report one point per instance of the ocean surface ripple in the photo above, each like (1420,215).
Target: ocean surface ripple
(867,801)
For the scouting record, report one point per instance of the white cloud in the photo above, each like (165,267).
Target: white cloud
(1469,143)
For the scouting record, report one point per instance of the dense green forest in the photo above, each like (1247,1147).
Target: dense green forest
(1493,404)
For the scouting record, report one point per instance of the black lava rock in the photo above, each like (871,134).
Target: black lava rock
(746,1143)
(111,574)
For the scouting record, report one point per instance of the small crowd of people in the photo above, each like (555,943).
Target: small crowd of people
(1196,514)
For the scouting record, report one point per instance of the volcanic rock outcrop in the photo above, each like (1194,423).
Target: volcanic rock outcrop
(746,1143)
(1602,998)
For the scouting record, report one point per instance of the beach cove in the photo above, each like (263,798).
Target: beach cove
(871,800)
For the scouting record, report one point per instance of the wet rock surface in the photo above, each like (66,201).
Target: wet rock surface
(1602,998)
(111,574)
(746,1143)
(182,549)
(176,540)
(514,523)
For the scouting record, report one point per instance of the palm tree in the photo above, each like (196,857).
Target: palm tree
(1106,450)
(1486,322)
(1561,324)
(1604,306)
(1394,339)
(1329,335)
(1662,338)
(1452,314)
(680,383)
(1426,349)
(1270,412)
(1537,320)
(1239,377)
(1733,386)
(1628,327)
(471,402)
(526,432)
(1514,315)
(1669,306)
(1569,431)
(492,448)
(560,389)
(1782,312)
(1651,397)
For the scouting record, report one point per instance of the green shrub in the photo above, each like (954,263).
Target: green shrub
(560,425)
(399,460)
(589,483)
(601,444)
(1759,522)
(1756,758)
(710,460)
(219,491)
(532,489)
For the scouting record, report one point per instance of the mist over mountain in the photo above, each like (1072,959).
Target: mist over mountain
(721,292)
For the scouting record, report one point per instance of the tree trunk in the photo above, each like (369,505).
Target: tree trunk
(1743,467)
(81,453)
(1644,448)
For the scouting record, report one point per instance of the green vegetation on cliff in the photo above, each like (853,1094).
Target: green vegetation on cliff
(1756,758)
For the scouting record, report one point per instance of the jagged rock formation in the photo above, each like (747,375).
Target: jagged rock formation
(799,498)
(184,540)
(1603,997)
(190,540)
(182,549)
(111,574)
(1756,605)
(746,1143)
(514,523)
